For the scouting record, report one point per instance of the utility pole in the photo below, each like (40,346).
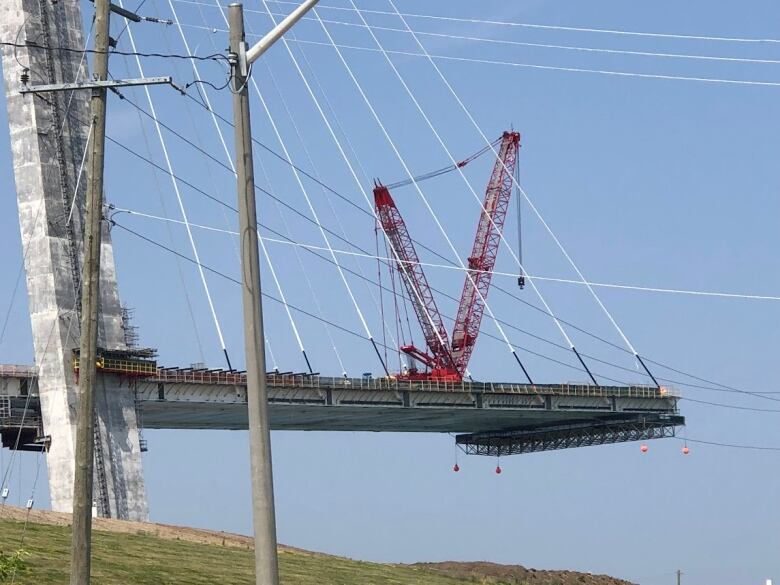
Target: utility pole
(679,577)
(81,544)
(263,512)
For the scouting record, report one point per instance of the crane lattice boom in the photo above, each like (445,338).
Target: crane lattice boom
(413,277)
(483,254)
(445,361)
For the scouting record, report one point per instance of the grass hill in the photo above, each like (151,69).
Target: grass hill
(131,553)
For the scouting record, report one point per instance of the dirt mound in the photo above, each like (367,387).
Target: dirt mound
(492,573)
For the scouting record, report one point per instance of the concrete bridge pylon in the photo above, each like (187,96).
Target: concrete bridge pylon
(48,139)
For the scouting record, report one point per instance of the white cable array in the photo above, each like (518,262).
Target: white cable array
(462,174)
(510,42)
(305,273)
(344,156)
(176,190)
(548,45)
(229,158)
(607,72)
(712,80)
(191,116)
(310,160)
(547,26)
(164,207)
(411,176)
(309,285)
(305,195)
(519,187)
(513,275)
(330,204)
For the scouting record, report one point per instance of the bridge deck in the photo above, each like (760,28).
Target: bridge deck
(206,399)
(303,402)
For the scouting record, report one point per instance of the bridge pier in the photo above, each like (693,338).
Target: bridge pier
(48,138)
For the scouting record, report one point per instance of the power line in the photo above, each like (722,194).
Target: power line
(731,406)
(32,45)
(730,445)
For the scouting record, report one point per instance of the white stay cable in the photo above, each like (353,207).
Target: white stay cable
(271,354)
(336,216)
(356,157)
(513,275)
(349,166)
(609,72)
(309,285)
(191,116)
(546,26)
(305,273)
(416,185)
(78,177)
(229,158)
(312,209)
(309,203)
(358,264)
(696,57)
(286,226)
(169,232)
(176,190)
(520,189)
(462,174)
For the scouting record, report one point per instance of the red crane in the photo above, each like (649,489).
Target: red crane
(444,360)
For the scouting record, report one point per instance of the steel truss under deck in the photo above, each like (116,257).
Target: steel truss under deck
(581,434)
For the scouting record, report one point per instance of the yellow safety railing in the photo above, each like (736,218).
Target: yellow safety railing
(122,366)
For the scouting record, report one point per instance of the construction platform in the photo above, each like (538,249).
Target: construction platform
(489,418)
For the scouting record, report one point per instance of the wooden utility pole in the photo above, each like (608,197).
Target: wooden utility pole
(263,513)
(81,544)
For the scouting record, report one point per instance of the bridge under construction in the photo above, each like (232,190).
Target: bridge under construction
(488,418)
(44,42)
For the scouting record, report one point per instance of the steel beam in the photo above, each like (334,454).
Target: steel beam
(107,84)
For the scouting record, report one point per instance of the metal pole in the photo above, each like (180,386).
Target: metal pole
(264,520)
(679,576)
(81,543)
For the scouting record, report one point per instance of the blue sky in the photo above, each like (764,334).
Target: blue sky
(651,182)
